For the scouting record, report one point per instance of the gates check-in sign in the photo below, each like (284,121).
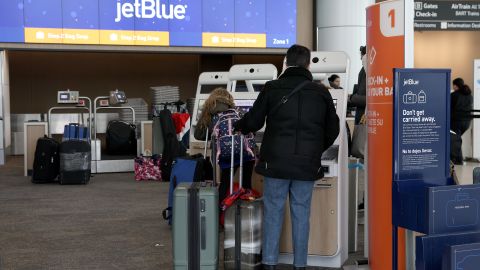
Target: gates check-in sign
(211,23)
(421,125)
(447,15)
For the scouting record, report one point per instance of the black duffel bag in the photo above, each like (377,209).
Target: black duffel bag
(121,138)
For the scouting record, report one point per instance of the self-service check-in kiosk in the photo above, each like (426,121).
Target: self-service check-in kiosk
(328,242)
(243,81)
(101,162)
(207,82)
(247,82)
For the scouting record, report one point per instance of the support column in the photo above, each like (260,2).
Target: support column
(341,26)
(5,137)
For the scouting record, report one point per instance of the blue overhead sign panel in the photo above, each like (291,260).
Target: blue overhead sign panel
(207,23)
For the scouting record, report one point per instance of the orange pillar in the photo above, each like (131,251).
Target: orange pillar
(385,51)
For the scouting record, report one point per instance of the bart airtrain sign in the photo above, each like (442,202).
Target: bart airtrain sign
(447,15)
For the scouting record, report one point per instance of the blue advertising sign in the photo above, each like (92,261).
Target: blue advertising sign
(462,257)
(11,28)
(208,23)
(281,33)
(422,125)
(188,33)
(430,250)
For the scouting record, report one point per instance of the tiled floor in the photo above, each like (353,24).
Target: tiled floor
(112,223)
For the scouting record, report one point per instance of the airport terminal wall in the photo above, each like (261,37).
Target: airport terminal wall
(37,76)
(450,49)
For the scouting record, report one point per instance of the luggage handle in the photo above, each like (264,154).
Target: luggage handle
(165,215)
(232,163)
(206,145)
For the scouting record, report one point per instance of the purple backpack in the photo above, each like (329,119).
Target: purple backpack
(223,132)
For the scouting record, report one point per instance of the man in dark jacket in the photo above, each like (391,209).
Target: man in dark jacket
(297,133)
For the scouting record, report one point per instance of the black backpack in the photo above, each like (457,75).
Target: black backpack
(121,138)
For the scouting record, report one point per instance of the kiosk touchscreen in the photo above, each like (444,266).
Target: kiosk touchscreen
(243,81)
(329,231)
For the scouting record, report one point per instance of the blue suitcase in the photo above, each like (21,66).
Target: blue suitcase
(184,170)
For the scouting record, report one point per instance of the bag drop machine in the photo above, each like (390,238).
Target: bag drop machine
(102,163)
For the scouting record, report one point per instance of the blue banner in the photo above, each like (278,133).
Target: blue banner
(211,23)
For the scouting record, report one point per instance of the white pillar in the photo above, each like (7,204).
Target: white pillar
(341,26)
(5,138)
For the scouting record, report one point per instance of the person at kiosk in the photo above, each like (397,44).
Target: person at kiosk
(334,81)
(301,123)
(220,100)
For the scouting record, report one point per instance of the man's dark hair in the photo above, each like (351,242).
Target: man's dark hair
(298,55)
(333,77)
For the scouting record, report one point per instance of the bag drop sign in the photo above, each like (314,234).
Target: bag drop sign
(421,125)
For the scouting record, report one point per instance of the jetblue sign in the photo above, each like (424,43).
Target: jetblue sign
(149,9)
(421,125)
(205,23)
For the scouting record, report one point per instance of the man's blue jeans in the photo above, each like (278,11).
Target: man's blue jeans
(274,197)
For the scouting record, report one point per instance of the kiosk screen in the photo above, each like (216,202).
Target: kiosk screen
(244,105)
(241,86)
(208,88)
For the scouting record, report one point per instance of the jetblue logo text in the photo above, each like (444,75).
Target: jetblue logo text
(149,9)
(410,82)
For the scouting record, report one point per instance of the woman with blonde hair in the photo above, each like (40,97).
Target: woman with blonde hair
(221,101)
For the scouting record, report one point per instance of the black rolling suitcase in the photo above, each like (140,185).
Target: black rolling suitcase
(75,162)
(46,161)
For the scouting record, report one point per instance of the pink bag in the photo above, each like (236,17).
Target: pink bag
(148,168)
